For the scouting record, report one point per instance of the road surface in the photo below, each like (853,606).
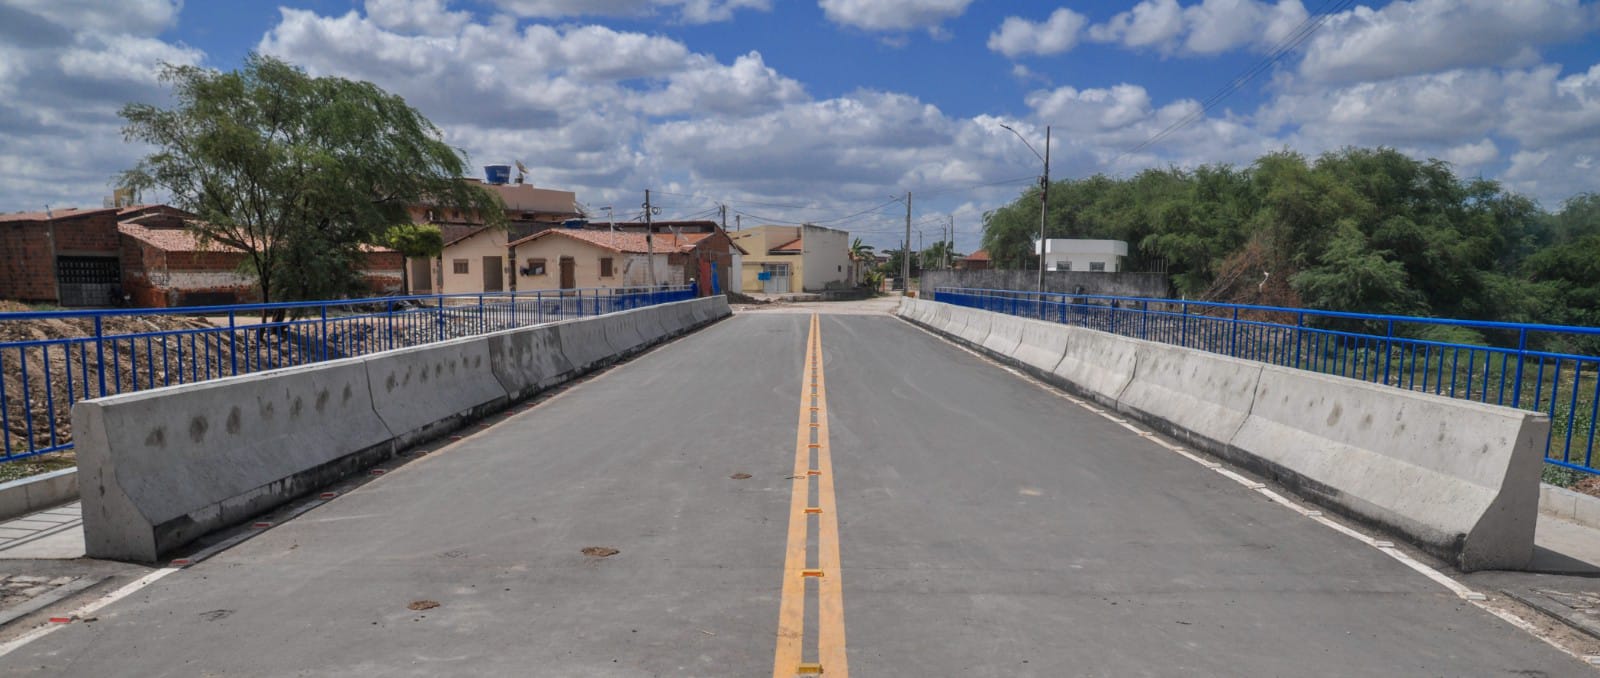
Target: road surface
(983,526)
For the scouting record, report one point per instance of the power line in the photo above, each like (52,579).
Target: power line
(1289,44)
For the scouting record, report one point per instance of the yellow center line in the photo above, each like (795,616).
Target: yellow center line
(812,460)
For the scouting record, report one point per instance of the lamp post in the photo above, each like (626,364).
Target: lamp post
(1044,191)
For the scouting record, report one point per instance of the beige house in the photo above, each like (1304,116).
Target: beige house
(561,258)
(793,258)
(475,258)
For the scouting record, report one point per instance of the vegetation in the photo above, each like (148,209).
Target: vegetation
(413,241)
(1364,230)
(297,172)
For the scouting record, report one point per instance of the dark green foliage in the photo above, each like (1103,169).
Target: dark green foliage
(1364,230)
(296,172)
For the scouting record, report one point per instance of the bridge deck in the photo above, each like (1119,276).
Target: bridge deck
(987,528)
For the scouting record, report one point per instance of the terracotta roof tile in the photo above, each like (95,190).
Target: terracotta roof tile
(55,214)
(791,246)
(980,255)
(185,240)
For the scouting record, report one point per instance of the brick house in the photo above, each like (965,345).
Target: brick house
(138,256)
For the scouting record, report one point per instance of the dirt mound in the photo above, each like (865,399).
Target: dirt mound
(46,364)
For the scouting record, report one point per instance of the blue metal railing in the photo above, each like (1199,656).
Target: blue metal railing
(1529,371)
(41,379)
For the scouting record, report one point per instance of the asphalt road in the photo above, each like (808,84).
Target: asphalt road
(987,528)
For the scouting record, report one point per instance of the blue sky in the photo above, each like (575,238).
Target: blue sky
(820,110)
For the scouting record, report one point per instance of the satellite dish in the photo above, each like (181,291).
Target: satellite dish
(522,170)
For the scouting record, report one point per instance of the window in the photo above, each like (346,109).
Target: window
(534,268)
(1063,265)
(459,266)
(605,267)
(1097,266)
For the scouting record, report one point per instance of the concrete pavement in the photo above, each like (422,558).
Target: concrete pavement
(987,528)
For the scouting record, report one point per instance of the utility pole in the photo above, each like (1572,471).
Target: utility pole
(738,222)
(649,241)
(724,210)
(1044,204)
(905,254)
(949,250)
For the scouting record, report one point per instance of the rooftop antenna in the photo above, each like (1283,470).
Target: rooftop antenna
(47,213)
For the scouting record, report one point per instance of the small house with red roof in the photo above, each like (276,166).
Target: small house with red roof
(565,258)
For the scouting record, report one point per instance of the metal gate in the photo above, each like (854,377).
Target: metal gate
(89,281)
(776,280)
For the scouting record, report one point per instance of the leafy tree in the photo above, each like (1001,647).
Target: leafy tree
(294,171)
(937,255)
(861,251)
(413,241)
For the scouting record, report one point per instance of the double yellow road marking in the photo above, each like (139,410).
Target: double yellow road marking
(813,477)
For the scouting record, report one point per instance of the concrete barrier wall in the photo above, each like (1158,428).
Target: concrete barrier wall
(1005,333)
(160,468)
(1199,397)
(1096,365)
(529,360)
(420,391)
(1458,479)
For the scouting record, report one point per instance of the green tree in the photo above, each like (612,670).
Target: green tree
(938,255)
(294,171)
(413,241)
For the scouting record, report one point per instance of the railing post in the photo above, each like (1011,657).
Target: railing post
(538,307)
(483,321)
(388,322)
(1183,326)
(1233,339)
(439,317)
(580,303)
(100,355)
(1144,320)
(1299,336)
(322,352)
(1388,351)
(1522,358)
(233,344)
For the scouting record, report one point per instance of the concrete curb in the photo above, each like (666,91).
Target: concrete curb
(160,468)
(1454,477)
(37,493)
(1570,506)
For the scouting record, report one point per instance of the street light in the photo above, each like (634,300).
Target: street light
(1044,191)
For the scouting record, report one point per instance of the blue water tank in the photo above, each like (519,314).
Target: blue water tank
(497,174)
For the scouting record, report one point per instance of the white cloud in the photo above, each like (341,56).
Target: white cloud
(427,17)
(1210,27)
(892,15)
(1150,23)
(688,11)
(1426,36)
(1018,36)
(65,69)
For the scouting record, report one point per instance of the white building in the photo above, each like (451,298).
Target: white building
(1083,255)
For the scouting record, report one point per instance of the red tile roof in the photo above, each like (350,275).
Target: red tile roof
(185,240)
(632,243)
(791,246)
(56,214)
(980,255)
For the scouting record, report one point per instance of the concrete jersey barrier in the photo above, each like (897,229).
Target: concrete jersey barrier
(1461,479)
(423,391)
(1457,478)
(1199,397)
(162,467)
(528,360)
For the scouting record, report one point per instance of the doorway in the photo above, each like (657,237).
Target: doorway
(494,279)
(569,273)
